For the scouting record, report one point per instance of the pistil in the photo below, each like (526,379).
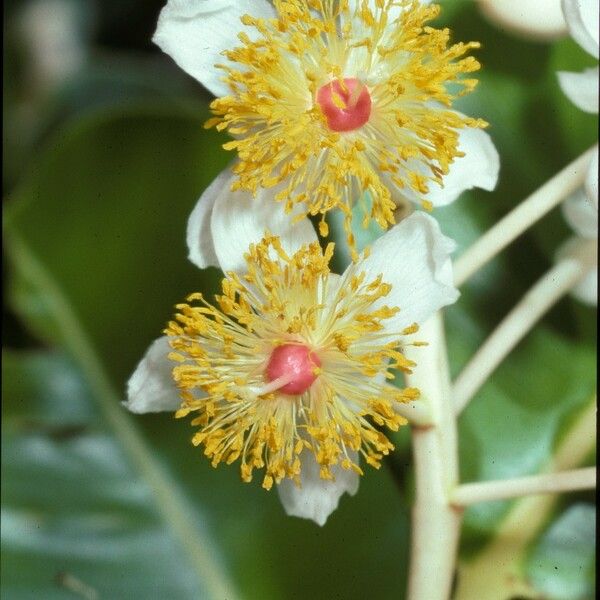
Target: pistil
(294,367)
(346,104)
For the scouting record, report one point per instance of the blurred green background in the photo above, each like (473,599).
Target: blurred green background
(105,156)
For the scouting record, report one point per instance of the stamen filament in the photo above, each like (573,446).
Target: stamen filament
(282,364)
(329,102)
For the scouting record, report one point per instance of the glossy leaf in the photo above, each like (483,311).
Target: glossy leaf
(75,514)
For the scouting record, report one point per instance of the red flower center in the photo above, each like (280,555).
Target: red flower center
(295,363)
(346,104)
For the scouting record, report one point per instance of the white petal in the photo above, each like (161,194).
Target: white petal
(582,20)
(194,33)
(317,498)
(581,88)
(223,224)
(151,388)
(414,257)
(591,181)
(581,214)
(479,167)
(239,220)
(201,248)
(587,289)
(530,19)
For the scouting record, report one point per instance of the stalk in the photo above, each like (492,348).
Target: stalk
(435,523)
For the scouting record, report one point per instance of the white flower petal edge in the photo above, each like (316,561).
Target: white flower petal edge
(582,20)
(316,498)
(151,387)
(581,214)
(195,32)
(587,289)
(414,257)
(479,167)
(201,247)
(530,19)
(591,180)
(581,88)
(224,224)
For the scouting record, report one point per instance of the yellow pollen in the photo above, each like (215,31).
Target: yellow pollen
(221,353)
(412,72)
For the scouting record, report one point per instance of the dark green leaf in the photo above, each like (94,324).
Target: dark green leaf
(561,565)
(74,511)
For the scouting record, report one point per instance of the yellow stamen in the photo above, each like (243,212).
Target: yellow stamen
(412,74)
(221,352)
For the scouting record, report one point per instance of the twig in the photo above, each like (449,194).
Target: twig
(552,483)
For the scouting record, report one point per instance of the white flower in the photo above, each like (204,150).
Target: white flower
(581,210)
(535,19)
(331,104)
(289,370)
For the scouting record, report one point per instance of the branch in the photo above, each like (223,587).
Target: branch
(552,483)
(416,412)
(435,524)
(521,218)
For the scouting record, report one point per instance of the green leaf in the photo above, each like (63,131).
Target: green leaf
(106,207)
(562,564)
(75,514)
(512,425)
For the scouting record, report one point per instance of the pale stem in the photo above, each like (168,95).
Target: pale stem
(557,282)
(416,412)
(552,483)
(435,524)
(521,218)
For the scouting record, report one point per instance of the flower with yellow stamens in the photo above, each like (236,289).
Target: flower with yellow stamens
(288,371)
(330,101)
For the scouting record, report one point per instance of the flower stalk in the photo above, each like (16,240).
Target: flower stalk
(496,573)
(436,467)
(416,412)
(550,483)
